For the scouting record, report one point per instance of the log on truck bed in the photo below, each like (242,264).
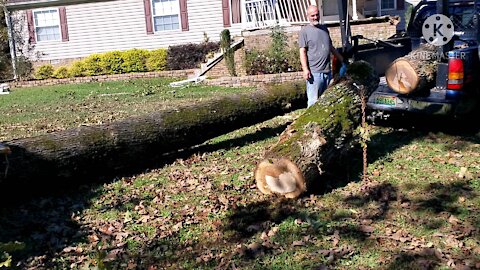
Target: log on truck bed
(414,72)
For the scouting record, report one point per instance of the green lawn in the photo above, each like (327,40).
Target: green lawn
(420,208)
(36,110)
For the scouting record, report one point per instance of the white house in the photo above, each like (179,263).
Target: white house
(56,30)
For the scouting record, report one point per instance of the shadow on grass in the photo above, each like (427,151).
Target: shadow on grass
(441,197)
(46,224)
(422,259)
(350,167)
(380,193)
(409,127)
(42,216)
(246,221)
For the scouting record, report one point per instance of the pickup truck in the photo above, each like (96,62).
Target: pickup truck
(457,77)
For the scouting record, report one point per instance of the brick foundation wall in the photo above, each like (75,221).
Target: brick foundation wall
(381,28)
(255,80)
(104,78)
(220,69)
(373,29)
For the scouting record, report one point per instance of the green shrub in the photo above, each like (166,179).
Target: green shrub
(293,58)
(277,51)
(24,67)
(256,62)
(111,62)
(92,65)
(189,55)
(157,60)
(61,73)
(134,60)
(228,53)
(77,69)
(6,70)
(44,72)
(279,57)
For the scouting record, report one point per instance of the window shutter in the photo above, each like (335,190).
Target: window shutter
(236,13)
(148,16)
(63,23)
(226,13)
(184,14)
(400,4)
(31,28)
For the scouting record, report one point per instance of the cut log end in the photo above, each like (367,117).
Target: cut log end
(281,177)
(402,77)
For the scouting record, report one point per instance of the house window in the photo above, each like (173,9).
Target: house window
(166,15)
(47,25)
(388,4)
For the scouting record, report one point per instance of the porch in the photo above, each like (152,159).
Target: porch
(260,14)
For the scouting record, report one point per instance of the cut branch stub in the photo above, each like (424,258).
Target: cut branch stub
(318,138)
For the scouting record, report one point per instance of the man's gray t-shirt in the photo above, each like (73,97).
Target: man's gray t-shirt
(316,39)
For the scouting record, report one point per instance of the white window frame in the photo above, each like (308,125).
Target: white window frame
(57,20)
(242,2)
(394,5)
(171,30)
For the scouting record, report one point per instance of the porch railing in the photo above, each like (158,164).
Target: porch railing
(265,13)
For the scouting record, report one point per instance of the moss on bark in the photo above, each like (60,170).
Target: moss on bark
(326,130)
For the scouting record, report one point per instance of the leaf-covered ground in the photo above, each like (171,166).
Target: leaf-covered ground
(201,210)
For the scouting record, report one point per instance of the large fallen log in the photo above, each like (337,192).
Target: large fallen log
(318,138)
(82,154)
(414,72)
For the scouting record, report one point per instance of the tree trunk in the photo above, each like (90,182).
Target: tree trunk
(414,72)
(83,154)
(318,138)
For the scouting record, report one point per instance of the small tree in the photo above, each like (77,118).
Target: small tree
(228,53)
(277,51)
(5,62)
(23,48)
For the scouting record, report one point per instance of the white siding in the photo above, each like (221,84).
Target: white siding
(120,25)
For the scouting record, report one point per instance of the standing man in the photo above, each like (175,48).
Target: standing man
(315,48)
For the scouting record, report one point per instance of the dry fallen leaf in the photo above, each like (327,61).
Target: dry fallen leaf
(366,228)
(254,249)
(298,243)
(462,173)
(438,253)
(453,220)
(336,238)
(272,231)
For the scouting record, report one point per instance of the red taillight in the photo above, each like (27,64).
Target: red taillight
(455,74)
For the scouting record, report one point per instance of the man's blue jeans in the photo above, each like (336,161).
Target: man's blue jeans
(316,85)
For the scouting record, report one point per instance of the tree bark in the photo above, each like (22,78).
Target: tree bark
(318,138)
(414,72)
(82,154)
